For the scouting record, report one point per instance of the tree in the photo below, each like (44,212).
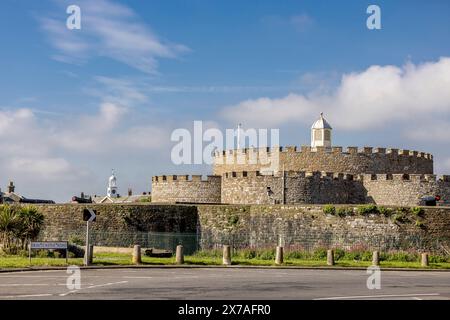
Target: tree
(30,225)
(9,222)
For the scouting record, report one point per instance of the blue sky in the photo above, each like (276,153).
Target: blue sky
(76,103)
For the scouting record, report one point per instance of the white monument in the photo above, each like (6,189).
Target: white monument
(112,186)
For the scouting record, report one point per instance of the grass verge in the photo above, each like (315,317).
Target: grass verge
(116,259)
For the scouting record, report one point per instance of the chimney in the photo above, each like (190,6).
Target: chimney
(11,187)
(130,192)
(82,195)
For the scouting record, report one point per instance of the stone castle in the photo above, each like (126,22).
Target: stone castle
(315,174)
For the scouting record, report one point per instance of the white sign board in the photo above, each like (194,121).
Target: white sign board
(49,245)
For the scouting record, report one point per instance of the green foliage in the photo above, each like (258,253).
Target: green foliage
(329,209)
(420,224)
(417,211)
(385,211)
(338,254)
(233,220)
(76,240)
(268,254)
(146,199)
(344,211)
(366,209)
(320,254)
(18,226)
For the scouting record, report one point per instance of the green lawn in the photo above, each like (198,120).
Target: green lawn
(124,259)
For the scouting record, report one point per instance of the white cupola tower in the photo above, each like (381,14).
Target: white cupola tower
(321,134)
(112,186)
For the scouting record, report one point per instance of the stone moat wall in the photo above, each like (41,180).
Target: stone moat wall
(210,226)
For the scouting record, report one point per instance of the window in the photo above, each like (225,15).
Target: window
(317,135)
(327,135)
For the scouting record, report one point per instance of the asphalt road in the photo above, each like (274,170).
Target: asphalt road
(224,283)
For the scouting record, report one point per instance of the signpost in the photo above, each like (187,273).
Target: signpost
(89,215)
(48,245)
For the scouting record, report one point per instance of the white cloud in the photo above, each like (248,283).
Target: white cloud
(109,30)
(376,97)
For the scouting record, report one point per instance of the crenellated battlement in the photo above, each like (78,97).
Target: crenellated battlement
(185,178)
(186,189)
(406,177)
(335,150)
(292,174)
(351,160)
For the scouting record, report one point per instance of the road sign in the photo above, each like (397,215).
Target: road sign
(89,215)
(49,245)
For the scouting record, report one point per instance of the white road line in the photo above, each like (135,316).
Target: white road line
(27,296)
(34,284)
(91,287)
(381,296)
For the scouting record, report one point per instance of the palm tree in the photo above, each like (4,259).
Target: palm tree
(9,221)
(31,222)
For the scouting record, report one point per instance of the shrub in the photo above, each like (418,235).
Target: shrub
(267,254)
(302,255)
(438,259)
(398,217)
(385,211)
(233,220)
(246,254)
(320,254)
(342,212)
(418,211)
(338,254)
(329,209)
(75,251)
(76,240)
(420,224)
(366,209)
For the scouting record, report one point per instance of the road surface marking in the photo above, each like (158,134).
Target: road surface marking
(91,287)
(27,296)
(381,296)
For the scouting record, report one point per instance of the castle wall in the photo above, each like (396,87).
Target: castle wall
(206,226)
(299,187)
(181,189)
(404,189)
(353,160)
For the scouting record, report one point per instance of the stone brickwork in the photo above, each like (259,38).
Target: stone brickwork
(352,161)
(304,226)
(405,189)
(179,188)
(299,187)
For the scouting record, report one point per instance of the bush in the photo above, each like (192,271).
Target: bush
(320,254)
(301,255)
(246,254)
(339,254)
(366,209)
(329,209)
(267,254)
(420,224)
(418,211)
(342,212)
(385,211)
(438,259)
(76,240)
(75,251)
